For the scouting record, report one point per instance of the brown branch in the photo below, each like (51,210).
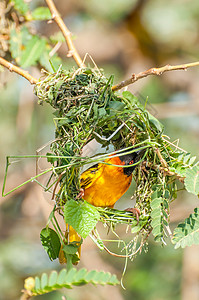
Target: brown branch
(66,33)
(13,68)
(152,71)
(26,295)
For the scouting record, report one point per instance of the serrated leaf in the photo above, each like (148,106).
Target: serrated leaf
(187,233)
(51,243)
(192,180)
(41,13)
(81,216)
(32,52)
(21,6)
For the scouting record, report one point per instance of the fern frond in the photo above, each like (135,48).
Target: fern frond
(68,279)
(187,233)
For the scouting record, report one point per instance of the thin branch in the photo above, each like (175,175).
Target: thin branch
(152,71)
(66,33)
(165,168)
(13,68)
(26,295)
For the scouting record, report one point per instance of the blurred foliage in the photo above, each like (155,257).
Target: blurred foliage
(19,38)
(148,276)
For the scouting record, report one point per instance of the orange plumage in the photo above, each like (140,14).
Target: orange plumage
(104,183)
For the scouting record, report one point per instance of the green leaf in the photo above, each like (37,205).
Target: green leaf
(51,243)
(51,157)
(155,122)
(135,103)
(192,180)
(57,37)
(71,278)
(102,112)
(50,63)
(142,222)
(41,13)
(37,283)
(44,280)
(187,233)
(191,160)
(70,249)
(116,105)
(81,216)
(17,41)
(132,99)
(21,6)
(61,277)
(53,278)
(156,216)
(32,52)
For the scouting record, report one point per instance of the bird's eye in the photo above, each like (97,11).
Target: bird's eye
(131,162)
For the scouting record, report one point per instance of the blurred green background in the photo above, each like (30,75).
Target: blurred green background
(123,37)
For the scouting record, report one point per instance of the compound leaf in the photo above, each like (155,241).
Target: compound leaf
(187,233)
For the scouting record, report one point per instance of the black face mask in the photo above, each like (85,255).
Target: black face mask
(131,159)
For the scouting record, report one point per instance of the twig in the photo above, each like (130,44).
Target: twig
(152,71)
(26,295)
(13,68)
(165,168)
(66,33)
(162,160)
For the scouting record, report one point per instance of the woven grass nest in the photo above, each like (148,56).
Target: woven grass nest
(86,108)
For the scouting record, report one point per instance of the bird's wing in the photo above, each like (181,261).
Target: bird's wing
(89,176)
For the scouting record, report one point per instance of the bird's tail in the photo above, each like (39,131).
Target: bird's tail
(71,236)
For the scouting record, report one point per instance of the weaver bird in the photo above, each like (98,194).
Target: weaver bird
(103,184)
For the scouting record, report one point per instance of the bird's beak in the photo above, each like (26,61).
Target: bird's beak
(140,154)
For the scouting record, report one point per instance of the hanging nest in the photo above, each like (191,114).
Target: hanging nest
(86,108)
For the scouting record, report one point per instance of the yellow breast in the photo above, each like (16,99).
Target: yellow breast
(108,187)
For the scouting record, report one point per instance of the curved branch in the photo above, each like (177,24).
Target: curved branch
(152,71)
(13,68)
(66,33)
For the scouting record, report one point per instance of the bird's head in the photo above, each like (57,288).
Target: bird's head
(130,159)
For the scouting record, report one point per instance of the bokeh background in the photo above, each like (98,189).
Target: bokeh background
(122,37)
